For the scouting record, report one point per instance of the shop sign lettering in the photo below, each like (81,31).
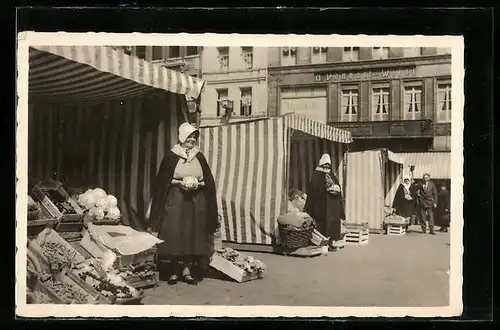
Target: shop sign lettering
(366,75)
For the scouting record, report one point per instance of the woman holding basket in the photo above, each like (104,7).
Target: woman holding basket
(324,200)
(184,210)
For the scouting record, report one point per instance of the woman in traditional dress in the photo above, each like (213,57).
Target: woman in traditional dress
(403,201)
(184,210)
(324,200)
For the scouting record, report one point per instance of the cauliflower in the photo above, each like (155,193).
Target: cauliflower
(113,213)
(102,203)
(112,201)
(99,193)
(99,214)
(190,182)
(86,200)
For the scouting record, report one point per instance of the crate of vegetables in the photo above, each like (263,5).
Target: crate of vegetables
(237,266)
(66,290)
(58,203)
(140,276)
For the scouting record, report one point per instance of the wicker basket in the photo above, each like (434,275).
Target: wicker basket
(295,238)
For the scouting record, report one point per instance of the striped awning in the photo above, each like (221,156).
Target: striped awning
(393,157)
(437,164)
(318,129)
(100,72)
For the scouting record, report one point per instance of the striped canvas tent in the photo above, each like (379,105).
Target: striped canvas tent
(437,164)
(103,119)
(374,177)
(255,162)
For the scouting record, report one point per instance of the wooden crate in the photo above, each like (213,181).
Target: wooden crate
(231,270)
(356,236)
(35,227)
(52,236)
(40,193)
(54,297)
(94,296)
(143,282)
(395,230)
(131,301)
(318,239)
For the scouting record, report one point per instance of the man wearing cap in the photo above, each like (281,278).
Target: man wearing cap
(428,198)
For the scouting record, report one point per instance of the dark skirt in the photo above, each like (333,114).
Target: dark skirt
(184,227)
(331,225)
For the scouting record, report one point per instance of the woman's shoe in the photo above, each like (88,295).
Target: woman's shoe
(173,279)
(187,278)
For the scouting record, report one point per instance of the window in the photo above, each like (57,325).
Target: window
(350,54)
(222,97)
(444,102)
(349,103)
(380,103)
(246,102)
(289,56)
(319,54)
(412,102)
(140,52)
(247,53)
(157,53)
(380,53)
(191,50)
(223,58)
(412,51)
(175,51)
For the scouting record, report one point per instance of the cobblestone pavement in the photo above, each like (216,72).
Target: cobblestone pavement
(410,270)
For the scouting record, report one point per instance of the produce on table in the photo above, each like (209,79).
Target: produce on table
(99,205)
(102,203)
(112,201)
(113,213)
(60,202)
(99,193)
(247,263)
(58,255)
(37,297)
(143,270)
(66,292)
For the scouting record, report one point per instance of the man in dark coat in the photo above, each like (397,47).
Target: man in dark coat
(428,197)
(324,200)
(443,209)
(415,194)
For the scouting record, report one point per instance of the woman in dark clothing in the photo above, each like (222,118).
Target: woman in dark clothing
(415,195)
(184,210)
(324,200)
(443,209)
(403,202)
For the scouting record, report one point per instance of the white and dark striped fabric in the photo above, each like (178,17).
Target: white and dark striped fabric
(88,73)
(373,179)
(250,162)
(437,164)
(116,145)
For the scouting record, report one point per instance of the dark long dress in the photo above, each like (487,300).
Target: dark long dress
(443,204)
(403,206)
(186,221)
(325,208)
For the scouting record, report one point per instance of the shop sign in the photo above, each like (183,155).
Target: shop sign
(366,75)
(358,129)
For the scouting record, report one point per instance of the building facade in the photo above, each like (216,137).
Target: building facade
(235,82)
(396,98)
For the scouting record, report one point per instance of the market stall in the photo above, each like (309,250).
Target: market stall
(100,122)
(255,163)
(437,164)
(374,177)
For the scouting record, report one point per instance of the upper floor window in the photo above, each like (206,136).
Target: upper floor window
(191,50)
(349,103)
(380,53)
(247,53)
(222,98)
(319,54)
(412,51)
(140,52)
(223,58)
(157,53)
(289,56)
(175,51)
(246,102)
(444,102)
(380,103)
(350,54)
(412,104)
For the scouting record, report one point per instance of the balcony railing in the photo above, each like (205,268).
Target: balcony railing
(385,129)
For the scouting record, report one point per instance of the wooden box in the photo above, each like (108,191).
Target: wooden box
(35,227)
(52,236)
(356,234)
(395,230)
(41,193)
(54,297)
(143,282)
(318,239)
(94,296)
(231,270)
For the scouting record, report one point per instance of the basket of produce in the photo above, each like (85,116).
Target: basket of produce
(296,229)
(99,207)
(58,203)
(236,265)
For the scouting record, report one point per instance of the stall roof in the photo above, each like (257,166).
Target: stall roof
(100,72)
(437,164)
(318,129)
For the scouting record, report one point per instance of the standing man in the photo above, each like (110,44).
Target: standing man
(428,195)
(443,209)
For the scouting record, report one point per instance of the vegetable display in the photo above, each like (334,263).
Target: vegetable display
(99,205)
(60,202)
(247,263)
(58,255)
(37,297)
(65,291)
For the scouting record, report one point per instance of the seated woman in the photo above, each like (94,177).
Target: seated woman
(324,200)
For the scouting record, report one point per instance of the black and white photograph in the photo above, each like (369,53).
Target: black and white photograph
(271,175)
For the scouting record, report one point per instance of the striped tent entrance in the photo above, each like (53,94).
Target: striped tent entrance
(374,177)
(252,162)
(104,119)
